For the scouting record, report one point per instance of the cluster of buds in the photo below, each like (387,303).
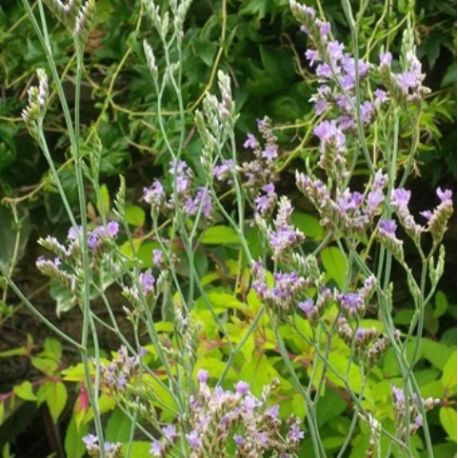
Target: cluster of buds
(313,309)
(66,267)
(367,345)
(283,236)
(287,290)
(415,419)
(354,304)
(36,106)
(349,211)
(111,450)
(199,202)
(122,367)
(219,418)
(260,171)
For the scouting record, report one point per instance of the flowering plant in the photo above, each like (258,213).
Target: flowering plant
(282,308)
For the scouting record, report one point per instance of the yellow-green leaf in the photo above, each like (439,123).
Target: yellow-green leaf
(25,391)
(56,398)
(135,215)
(447,416)
(220,235)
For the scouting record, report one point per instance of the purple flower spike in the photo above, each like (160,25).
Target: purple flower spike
(400,197)
(169,432)
(381,96)
(270,152)
(112,229)
(147,281)
(156,448)
(385,59)
(242,388)
(295,434)
(239,440)
(202,376)
(387,227)
(251,142)
(193,439)
(308,306)
(444,195)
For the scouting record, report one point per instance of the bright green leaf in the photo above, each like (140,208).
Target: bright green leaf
(74,445)
(308,224)
(447,417)
(335,264)
(220,235)
(448,378)
(25,391)
(56,398)
(135,215)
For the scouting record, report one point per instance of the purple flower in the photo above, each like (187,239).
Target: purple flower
(74,233)
(367,110)
(122,381)
(381,96)
(418,421)
(193,439)
(427,214)
(273,412)
(265,203)
(444,195)
(324,70)
(93,240)
(182,174)
(239,440)
(201,200)
(250,403)
(147,281)
(387,227)
(242,388)
(156,448)
(398,395)
(385,59)
(169,432)
(222,171)
(112,229)
(349,201)
(352,303)
(202,376)
(307,306)
(330,134)
(400,197)
(295,434)
(154,195)
(321,106)
(90,440)
(251,142)
(324,28)
(335,50)
(312,55)
(374,199)
(158,258)
(109,447)
(270,152)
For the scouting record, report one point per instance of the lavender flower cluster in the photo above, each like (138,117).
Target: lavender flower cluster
(111,449)
(122,367)
(219,418)
(192,202)
(404,406)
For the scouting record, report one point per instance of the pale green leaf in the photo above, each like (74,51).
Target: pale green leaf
(220,235)
(335,264)
(447,416)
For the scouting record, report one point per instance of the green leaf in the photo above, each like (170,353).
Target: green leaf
(118,427)
(104,200)
(138,449)
(447,416)
(448,378)
(25,391)
(19,351)
(220,235)
(56,397)
(308,224)
(53,348)
(45,365)
(135,215)
(436,353)
(74,446)
(335,264)
(441,303)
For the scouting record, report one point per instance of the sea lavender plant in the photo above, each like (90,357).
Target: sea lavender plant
(308,314)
